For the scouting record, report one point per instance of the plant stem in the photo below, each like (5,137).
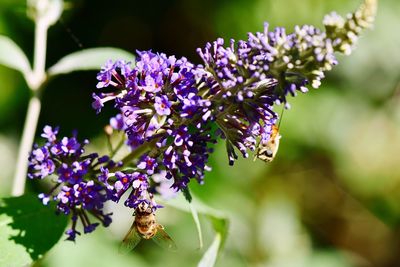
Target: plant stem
(37,78)
(32,116)
(39,57)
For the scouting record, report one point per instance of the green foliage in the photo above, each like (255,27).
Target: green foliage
(196,220)
(12,56)
(88,59)
(218,219)
(210,257)
(28,229)
(186,194)
(97,249)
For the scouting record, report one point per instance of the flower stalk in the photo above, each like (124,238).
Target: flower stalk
(32,117)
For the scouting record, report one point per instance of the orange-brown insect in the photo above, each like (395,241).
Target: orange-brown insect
(267,151)
(145,226)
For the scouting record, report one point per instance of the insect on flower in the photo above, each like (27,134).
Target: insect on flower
(145,226)
(267,151)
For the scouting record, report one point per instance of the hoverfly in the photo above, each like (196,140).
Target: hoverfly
(145,226)
(267,151)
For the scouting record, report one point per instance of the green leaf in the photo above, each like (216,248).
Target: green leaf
(218,219)
(186,194)
(221,226)
(209,258)
(181,203)
(89,59)
(12,56)
(196,220)
(95,249)
(28,229)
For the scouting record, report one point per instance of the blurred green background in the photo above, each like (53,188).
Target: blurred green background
(330,198)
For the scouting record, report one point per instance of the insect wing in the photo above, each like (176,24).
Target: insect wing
(130,241)
(162,239)
(275,144)
(267,151)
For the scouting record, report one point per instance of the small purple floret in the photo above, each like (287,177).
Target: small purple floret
(162,105)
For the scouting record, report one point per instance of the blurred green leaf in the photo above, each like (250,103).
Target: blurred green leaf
(12,56)
(11,254)
(89,59)
(186,194)
(28,230)
(209,258)
(218,219)
(94,249)
(221,226)
(196,220)
(180,203)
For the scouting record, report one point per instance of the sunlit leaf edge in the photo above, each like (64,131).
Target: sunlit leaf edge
(12,56)
(89,59)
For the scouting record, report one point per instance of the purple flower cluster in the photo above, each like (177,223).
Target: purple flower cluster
(247,78)
(173,111)
(76,190)
(156,100)
(287,62)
